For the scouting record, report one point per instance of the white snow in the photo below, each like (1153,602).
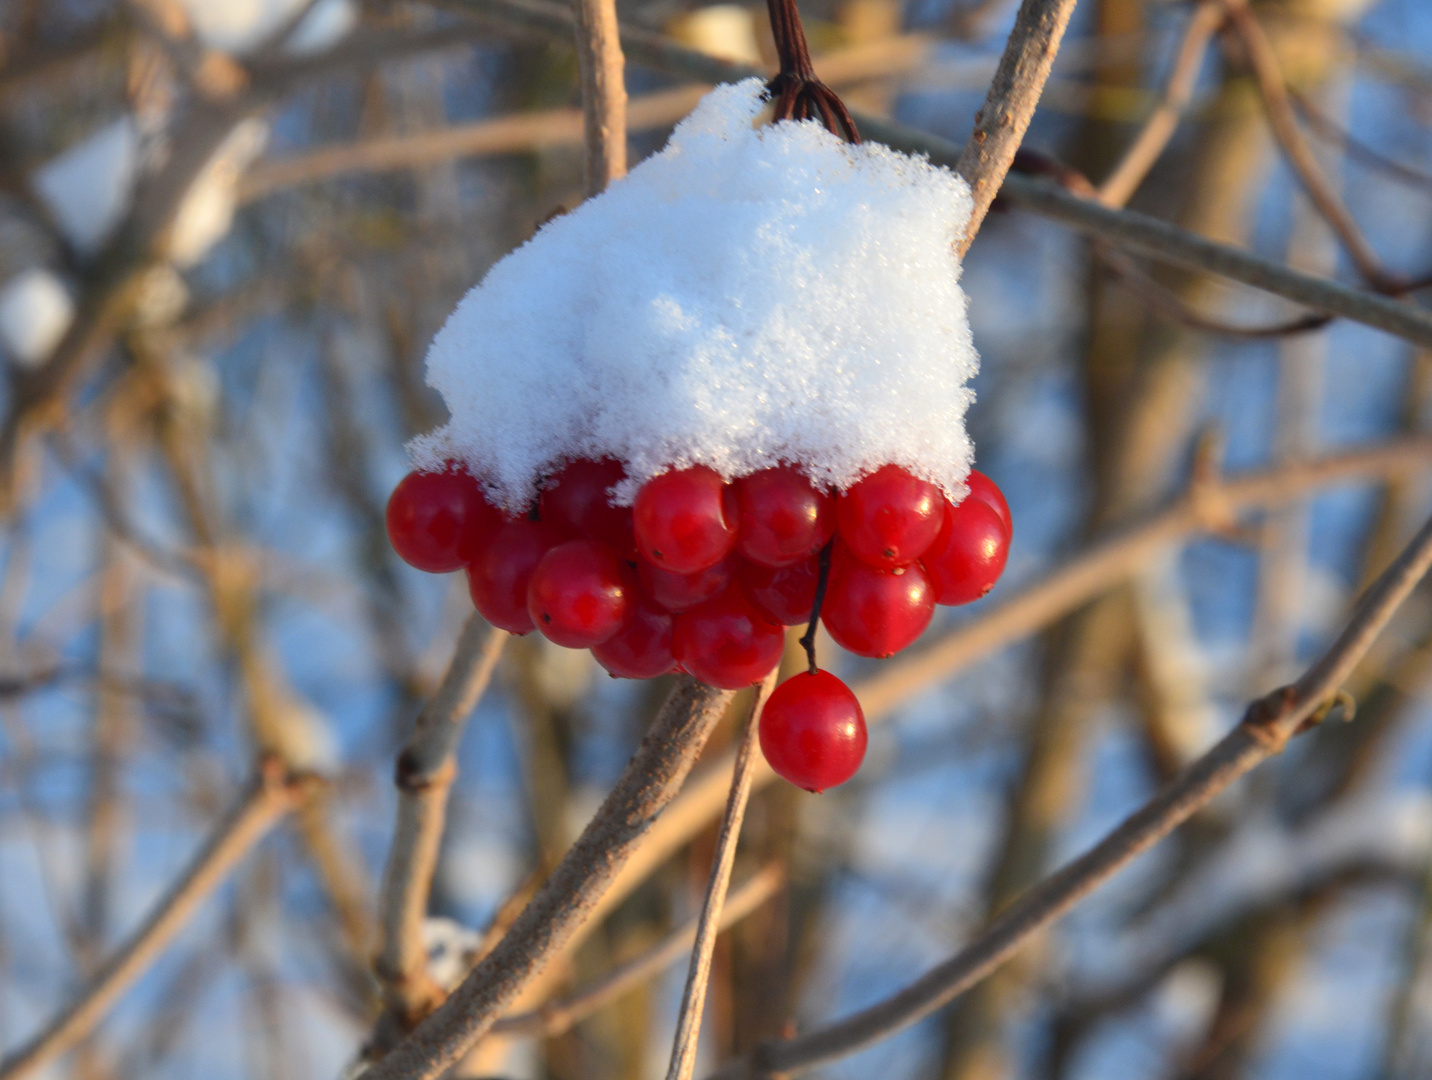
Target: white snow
(239,26)
(748,296)
(207,211)
(87,188)
(35,312)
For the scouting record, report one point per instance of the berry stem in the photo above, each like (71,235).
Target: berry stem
(798,94)
(808,638)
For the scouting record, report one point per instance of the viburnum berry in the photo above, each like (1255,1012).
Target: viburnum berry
(725,642)
(578,595)
(677,592)
(784,519)
(576,500)
(875,612)
(986,490)
(641,649)
(686,520)
(784,594)
(889,518)
(968,556)
(437,520)
(813,731)
(498,577)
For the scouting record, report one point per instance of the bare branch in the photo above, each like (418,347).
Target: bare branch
(424,774)
(650,781)
(602,67)
(271,795)
(1013,95)
(693,998)
(1263,732)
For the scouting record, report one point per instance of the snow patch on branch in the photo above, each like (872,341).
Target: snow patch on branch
(748,296)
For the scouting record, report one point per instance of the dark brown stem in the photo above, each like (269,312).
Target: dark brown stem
(798,94)
(808,638)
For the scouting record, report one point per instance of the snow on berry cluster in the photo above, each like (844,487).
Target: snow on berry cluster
(746,297)
(721,398)
(703,576)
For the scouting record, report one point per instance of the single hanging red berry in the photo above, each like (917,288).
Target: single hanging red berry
(986,490)
(968,556)
(578,595)
(784,519)
(889,518)
(499,576)
(873,612)
(813,731)
(686,520)
(677,592)
(576,500)
(784,594)
(725,642)
(438,520)
(641,649)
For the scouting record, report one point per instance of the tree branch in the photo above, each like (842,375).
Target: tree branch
(602,68)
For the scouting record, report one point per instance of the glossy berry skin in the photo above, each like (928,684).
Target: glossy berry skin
(575,500)
(676,592)
(987,491)
(968,556)
(726,643)
(873,612)
(641,649)
(578,595)
(784,519)
(437,521)
(686,520)
(813,731)
(889,518)
(783,594)
(499,576)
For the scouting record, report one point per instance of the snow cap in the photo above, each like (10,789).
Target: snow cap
(749,296)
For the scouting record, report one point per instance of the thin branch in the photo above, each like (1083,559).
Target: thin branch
(271,795)
(1329,130)
(602,68)
(1267,726)
(1119,186)
(1127,229)
(693,998)
(650,781)
(424,774)
(558,1017)
(1004,117)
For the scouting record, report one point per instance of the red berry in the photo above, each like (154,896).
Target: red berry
(578,595)
(873,612)
(725,642)
(784,594)
(986,490)
(641,649)
(437,521)
(499,576)
(813,732)
(889,518)
(576,500)
(686,520)
(784,519)
(968,556)
(677,592)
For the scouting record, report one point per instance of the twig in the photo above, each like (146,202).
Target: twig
(602,68)
(1127,229)
(1328,129)
(424,774)
(693,998)
(1004,117)
(1119,186)
(271,795)
(1264,731)
(650,781)
(557,1017)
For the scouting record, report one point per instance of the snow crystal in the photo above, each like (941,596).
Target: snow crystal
(87,188)
(748,296)
(35,312)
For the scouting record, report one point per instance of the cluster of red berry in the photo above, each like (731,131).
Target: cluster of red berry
(702,576)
